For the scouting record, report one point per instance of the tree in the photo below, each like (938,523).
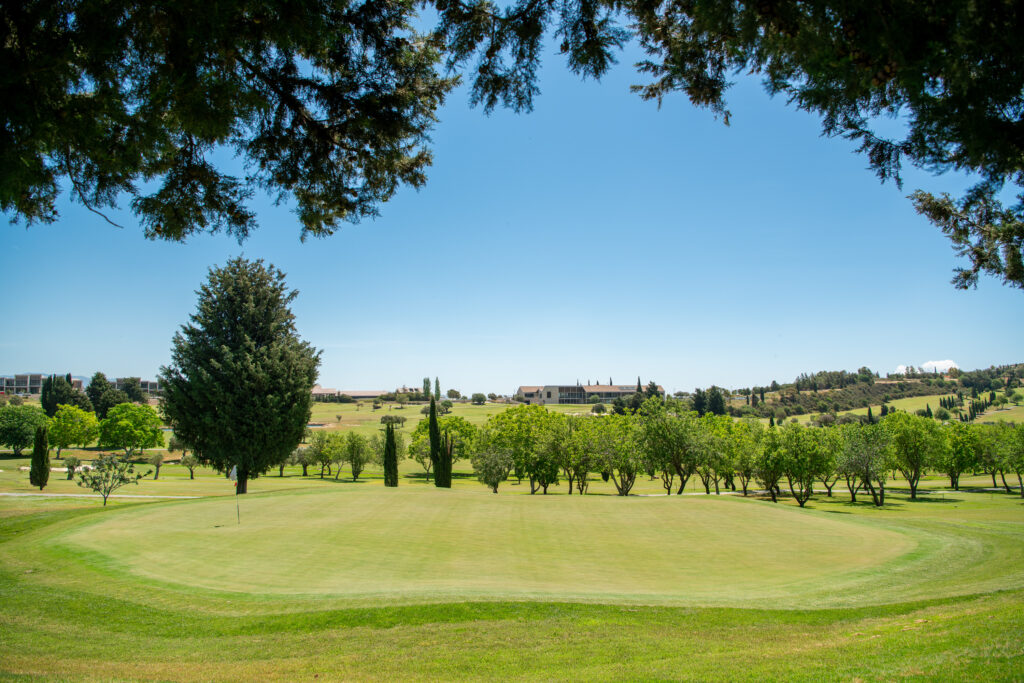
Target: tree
(617,450)
(72,426)
(239,386)
(18,424)
(189,462)
(426,387)
(391,455)
(672,440)
(329,103)
(803,458)
(132,427)
(156,460)
(322,451)
(108,399)
(770,465)
(132,387)
(916,443)
(959,453)
(716,401)
(57,391)
(71,464)
(747,437)
(357,453)
(109,473)
(479,399)
(434,435)
(598,409)
(492,466)
(518,431)
(453,393)
(437,389)
(866,459)
(1015,454)
(39,472)
(700,401)
(97,386)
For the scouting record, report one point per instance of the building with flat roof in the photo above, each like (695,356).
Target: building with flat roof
(30,383)
(321,393)
(575,393)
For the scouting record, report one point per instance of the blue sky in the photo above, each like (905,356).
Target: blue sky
(595,237)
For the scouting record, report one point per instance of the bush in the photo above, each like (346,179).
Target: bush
(479,399)
(598,409)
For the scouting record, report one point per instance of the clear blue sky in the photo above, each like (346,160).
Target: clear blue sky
(596,237)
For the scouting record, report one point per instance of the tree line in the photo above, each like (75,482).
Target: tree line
(670,442)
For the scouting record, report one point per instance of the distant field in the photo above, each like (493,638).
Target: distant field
(915,403)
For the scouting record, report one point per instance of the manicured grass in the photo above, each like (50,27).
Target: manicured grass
(353,581)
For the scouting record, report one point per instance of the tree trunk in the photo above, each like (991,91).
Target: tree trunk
(1002,475)
(242,485)
(191,474)
(1020,484)
(993,473)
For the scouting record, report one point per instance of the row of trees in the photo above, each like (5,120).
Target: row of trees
(670,442)
(128,426)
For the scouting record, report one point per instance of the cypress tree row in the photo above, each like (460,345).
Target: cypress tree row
(39,473)
(435,438)
(390,456)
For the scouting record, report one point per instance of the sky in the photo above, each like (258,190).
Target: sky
(597,237)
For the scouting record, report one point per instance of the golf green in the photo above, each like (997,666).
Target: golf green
(429,544)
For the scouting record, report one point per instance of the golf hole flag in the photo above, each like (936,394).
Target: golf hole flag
(234,475)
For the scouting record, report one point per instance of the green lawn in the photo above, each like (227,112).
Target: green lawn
(343,580)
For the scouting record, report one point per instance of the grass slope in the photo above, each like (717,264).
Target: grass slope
(929,589)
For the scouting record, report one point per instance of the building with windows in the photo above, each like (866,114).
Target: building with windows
(575,393)
(325,394)
(31,383)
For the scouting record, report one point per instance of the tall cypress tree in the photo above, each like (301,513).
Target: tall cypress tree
(39,473)
(437,389)
(435,437)
(443,475)
(871,418)
(390,456)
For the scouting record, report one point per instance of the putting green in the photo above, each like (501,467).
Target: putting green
(429,545)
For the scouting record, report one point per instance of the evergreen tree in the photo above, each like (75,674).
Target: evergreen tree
(437,389)
(435,438)
(771,420)
(39,473)
(57,390)
(639,387)
(238,389)
(885,410)
(700,401)
(97,386)
(928,409)
(391,454)
(716,401)
(426,388)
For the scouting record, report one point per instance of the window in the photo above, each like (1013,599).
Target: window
(549,394)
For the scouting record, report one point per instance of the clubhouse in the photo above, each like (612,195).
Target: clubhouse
(575,393)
